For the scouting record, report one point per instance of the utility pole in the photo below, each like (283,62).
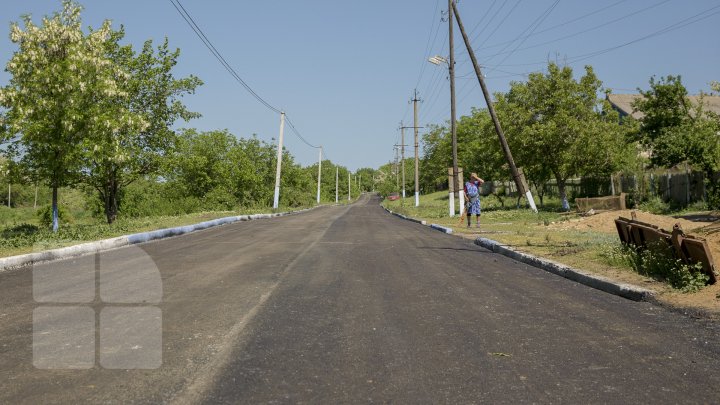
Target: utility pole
(349,185)
(276,197)
(397,172)
(360,183)
(417,160)
(402,157)
(319,172)
(337,174)
(517,175)
(453,124)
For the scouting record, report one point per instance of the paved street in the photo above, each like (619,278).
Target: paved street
(353,305)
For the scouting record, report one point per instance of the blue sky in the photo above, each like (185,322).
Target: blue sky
(344,71)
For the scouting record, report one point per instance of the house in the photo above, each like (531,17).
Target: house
(622,103)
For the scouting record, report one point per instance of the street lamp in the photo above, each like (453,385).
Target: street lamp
(437,60)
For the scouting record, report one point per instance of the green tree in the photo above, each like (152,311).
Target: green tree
(676,130)
(58,96)
(151,96)
(556,124)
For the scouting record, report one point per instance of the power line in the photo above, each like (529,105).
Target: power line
(563,24)
(585,30)
(672,27)
(206,41)
(297,133)
(198,31)
(534,25)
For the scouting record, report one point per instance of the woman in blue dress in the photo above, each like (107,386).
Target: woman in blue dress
(472,197)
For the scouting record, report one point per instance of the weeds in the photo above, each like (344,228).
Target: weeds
(657,261)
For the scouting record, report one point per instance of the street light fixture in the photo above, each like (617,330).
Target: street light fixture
(437,59)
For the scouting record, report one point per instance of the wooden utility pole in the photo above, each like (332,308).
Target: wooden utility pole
(453,124)
(517,176)
(417,160)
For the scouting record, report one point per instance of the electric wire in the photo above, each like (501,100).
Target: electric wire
(206,41)
(603,25)
(191,22)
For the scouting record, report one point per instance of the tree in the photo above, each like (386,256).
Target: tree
(124,153)
(677,131)
(58,96)
(556,124)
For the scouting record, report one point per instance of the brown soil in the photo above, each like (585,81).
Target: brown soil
(708,299)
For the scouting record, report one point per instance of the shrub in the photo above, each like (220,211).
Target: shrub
(655,205)
(658,261)
(45,216)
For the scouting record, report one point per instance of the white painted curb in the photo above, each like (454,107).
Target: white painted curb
(441,228)
(11,262)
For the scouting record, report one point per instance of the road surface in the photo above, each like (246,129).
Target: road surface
(345,305)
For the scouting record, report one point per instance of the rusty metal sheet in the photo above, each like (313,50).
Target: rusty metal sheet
(699,252)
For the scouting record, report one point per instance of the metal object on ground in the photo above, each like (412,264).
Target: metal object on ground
(689,249)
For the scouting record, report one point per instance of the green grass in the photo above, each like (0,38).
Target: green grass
(21,232)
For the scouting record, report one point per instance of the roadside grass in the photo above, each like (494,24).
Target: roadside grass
(21,231)
(534,233)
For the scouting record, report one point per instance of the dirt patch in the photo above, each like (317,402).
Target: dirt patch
(707,299)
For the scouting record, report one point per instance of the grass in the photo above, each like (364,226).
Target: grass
(21,232)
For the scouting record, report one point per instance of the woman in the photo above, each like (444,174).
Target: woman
(472,197)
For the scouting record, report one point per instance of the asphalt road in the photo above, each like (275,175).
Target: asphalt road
(340,305)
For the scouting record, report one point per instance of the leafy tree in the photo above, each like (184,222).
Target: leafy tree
(556,124)
(151,93)
(59,94)
(677,131)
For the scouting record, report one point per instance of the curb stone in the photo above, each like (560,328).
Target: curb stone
(441,228)
(13,262)
(598,282)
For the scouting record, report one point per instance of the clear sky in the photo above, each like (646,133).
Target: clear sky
(344,71)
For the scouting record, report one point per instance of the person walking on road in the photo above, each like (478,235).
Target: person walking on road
(472,197)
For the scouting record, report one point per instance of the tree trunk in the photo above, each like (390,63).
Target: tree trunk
(111,203)
(563,193)
(54,208)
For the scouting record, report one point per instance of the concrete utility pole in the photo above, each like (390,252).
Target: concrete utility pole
(319,172)
(517,175)
(417,160)
(397,171)
(453,124)
(337,174)
(276,197)
(402,157)
(349,185)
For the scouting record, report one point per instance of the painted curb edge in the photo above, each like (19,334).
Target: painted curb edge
(13,262)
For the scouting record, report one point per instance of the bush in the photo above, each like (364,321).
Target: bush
(654,205)
(658,261)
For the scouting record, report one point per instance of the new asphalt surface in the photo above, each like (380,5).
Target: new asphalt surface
(338,305)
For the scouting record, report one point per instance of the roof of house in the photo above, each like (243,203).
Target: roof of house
(623,102)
